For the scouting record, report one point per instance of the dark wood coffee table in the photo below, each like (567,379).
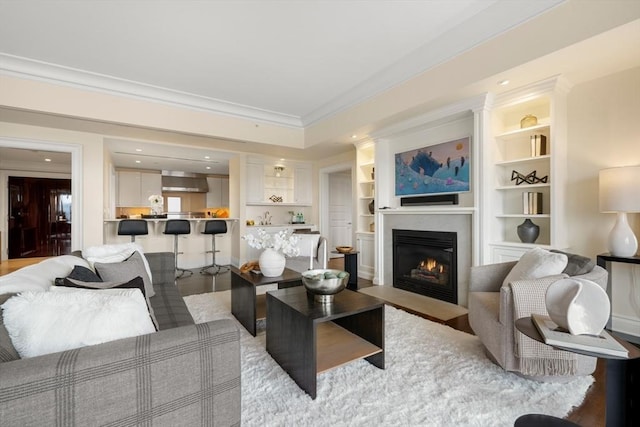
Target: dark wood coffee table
(248,307)
(307,338)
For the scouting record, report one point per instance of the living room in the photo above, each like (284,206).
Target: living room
(601,110)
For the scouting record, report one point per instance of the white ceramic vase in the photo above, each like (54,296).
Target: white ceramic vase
(578,305)
(271,263)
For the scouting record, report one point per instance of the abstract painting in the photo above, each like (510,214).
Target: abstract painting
(435,169)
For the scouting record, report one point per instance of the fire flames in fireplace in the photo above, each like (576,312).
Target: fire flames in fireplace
(432,271)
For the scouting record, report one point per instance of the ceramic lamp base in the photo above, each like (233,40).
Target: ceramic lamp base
(622,241)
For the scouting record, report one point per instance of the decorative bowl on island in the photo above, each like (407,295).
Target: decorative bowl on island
(344,249)
(324,283)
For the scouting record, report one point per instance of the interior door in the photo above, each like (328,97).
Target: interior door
(340,227)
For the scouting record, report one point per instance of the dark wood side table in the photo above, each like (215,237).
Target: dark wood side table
(623,378)
(248,307)
(351,267)
(604,261)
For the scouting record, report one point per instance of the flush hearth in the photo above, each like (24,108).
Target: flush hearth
(425,262)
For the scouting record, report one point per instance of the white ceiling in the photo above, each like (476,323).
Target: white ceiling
(297,60)
(289,62)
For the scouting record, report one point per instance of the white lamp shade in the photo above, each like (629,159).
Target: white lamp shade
(620,189)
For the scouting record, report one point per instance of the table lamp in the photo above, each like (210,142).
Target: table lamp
(620,193)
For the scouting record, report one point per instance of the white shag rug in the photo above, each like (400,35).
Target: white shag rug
(434,376)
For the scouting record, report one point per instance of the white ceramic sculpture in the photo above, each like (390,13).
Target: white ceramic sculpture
(578,305)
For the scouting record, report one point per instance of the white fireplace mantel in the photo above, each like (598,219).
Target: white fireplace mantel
(462,220)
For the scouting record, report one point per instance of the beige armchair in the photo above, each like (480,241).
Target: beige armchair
(491,316)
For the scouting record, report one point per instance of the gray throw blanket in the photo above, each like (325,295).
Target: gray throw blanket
(538,359)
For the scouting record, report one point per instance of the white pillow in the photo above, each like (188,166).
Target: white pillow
(47,322)
(118,252)
(40,276)
(535,264)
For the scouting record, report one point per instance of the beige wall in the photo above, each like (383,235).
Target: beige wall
(92,177)
(603,131)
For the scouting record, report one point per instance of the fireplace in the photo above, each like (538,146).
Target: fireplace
(425,262)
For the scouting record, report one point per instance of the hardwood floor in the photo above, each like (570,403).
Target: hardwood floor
(590,414)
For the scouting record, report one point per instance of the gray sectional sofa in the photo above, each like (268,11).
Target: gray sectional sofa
(183,374)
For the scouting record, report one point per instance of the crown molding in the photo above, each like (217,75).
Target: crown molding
(30,69)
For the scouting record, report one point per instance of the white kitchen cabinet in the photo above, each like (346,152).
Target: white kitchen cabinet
(214,195)
(218,194)
(134,188)
(255,182)
(224,192)
(150,185)
(289,185)
(128,188)
(302,185)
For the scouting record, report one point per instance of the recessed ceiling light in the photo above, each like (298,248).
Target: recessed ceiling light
(354,136)
(138,161)
(139,150)
(503,82)
(47,160)
(207,157)
(208,167)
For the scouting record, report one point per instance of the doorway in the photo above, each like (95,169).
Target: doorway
(336,207)
(40,217)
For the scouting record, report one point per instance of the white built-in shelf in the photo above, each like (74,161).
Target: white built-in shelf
(523,187)
(523,160)
(523,216)
(521,245)
(518,133)
(366,197)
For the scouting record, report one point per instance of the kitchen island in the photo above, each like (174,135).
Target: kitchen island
(193,247)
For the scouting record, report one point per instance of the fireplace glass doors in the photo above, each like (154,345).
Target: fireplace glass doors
(425,262)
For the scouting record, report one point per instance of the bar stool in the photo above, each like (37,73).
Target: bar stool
(177,227)
(214,227)
(133,228)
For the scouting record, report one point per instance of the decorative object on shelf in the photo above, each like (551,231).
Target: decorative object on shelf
(530,178)
(528,121)
(324,283)
(278,170)
(531,203)
(538,145)
(276,199)
(372,206)
(373,173)
(619,194)
(275,246)
(372,227)
(438,168)
(578,305)
(157,204)
(528,232)
(344,249)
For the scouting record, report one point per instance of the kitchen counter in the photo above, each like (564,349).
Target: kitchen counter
(283,225)
(192,247)
(166,219)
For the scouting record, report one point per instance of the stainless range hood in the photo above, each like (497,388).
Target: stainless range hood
(174,181)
